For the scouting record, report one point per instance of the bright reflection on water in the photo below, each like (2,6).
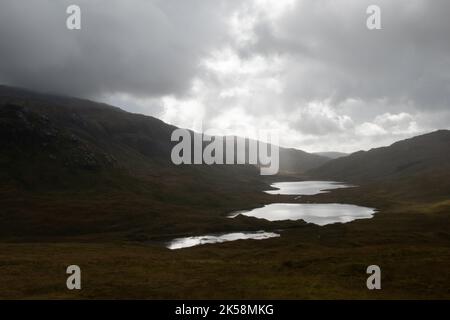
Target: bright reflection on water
(305,187)
(186,242)
(320,214)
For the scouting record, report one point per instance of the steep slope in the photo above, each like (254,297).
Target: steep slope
(70,134)
(52,142)
(75,168)
(421,155)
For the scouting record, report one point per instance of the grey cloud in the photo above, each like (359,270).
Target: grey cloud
(145,48)
(335,56)
(393,83)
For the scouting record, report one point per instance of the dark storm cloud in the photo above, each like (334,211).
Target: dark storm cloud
(309,68)
(146,48)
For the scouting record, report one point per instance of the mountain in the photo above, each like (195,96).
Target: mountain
(49,140)
(331,154)
(71,167)
(298,161)
(420,155)
(57,142)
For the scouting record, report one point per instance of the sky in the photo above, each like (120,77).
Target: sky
(309,70)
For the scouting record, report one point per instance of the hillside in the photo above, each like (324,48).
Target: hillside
(420,160)
(294,161)
(87,183)
(53,132)
(93,162)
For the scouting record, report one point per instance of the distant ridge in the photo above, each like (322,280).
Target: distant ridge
(332,154)
(424,154)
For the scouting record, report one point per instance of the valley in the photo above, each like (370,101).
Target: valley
(89,184)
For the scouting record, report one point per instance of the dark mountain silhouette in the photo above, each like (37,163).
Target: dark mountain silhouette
(52,140)
(425,154)
(71,167)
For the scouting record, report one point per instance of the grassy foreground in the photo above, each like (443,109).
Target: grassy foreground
(408,239)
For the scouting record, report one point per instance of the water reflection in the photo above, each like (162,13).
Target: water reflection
(186,242)
(320,214)
(306,187)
